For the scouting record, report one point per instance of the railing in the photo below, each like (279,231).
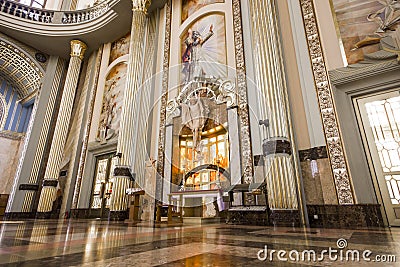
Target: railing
(84,15)
(26,12)
(53,17)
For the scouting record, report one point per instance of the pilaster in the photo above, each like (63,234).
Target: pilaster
(50,183)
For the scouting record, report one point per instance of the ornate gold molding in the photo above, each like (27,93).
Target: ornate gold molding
(78,48)
(141,5)
(164,99)
(243,110)
(326,105)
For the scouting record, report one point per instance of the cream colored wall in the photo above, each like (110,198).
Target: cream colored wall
(53,4)
(158,85)
(293,79)
(329,38)
(10,152)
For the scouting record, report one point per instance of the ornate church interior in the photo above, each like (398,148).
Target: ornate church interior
(199,132)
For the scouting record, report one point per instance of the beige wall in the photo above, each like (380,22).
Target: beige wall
(293,80)
(10,151)
(329,37)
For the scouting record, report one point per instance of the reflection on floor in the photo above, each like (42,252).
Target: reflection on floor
(101,243)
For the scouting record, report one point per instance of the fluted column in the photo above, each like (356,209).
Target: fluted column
(281,174)
(49,190)
(122,173)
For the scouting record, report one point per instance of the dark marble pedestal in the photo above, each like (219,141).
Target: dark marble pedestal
(47,215)
(9,216)
(120,215)
(248,215)
(344,216)
(284,217)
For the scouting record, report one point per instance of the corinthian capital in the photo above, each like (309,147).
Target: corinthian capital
(141,5)
(78,48)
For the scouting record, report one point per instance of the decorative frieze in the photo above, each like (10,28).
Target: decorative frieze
(243,110)
(164,99)
(328,114)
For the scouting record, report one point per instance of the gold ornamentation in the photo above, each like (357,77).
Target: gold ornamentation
(243,109)
(19,69)
(326,105)
(78,48)
(164,100)
(141,5)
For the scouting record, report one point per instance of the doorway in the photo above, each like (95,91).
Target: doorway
(103,185)
(379,117)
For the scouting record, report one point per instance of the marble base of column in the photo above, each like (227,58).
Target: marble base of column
(47,196)
(10,216)
(284,217)
(47,215)
(123,179)
(118,215)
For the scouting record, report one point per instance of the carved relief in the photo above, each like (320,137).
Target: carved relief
(243,110)
(164,98)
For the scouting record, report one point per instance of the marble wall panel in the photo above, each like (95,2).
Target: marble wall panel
(319,187)
(10,151)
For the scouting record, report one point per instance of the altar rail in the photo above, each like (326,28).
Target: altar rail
(55,17)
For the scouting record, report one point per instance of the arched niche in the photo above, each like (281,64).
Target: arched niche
(188,153)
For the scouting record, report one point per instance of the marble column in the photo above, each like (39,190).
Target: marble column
(123,175)
(50,183)
(282,176)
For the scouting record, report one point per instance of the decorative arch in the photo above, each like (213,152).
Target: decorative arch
(19,69)
(196,17)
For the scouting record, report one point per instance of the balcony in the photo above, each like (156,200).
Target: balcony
(50,31)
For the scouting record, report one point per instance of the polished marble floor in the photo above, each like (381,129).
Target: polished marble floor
(102,243)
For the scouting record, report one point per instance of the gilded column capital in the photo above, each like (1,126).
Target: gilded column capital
(141,5)
(78,48)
